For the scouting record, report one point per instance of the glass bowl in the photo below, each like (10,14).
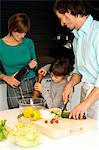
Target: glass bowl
(37,103)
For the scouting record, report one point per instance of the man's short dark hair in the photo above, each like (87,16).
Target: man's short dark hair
(75,7)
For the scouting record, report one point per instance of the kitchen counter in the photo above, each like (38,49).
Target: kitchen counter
(84,141)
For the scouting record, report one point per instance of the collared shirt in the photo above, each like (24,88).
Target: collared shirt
(86,50)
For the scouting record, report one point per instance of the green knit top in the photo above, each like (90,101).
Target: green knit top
(13,58)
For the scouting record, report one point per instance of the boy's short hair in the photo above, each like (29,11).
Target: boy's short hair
(60,67)
(19,22)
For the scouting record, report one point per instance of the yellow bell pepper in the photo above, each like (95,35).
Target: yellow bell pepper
(32,114)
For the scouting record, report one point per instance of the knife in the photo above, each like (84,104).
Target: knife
(64,108)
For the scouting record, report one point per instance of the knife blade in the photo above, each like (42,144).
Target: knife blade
(64,108)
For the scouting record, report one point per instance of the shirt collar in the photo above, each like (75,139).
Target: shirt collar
(85,27)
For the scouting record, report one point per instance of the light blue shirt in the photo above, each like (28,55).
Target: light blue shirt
(86,50)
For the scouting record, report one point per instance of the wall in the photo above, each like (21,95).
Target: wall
(44,24)
(42,20)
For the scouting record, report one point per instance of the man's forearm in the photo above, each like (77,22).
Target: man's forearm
(93,96)
(75,79)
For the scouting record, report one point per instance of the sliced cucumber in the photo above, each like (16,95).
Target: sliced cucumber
(66,115)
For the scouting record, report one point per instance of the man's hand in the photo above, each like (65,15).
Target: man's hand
(38,87)
(68,90)
(32,64)
(11,81)
(67,93)
(79,110)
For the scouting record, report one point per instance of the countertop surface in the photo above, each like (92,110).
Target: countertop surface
(84,141)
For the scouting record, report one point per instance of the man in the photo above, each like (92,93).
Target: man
(72,14)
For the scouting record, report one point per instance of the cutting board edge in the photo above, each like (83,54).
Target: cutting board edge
(65,131)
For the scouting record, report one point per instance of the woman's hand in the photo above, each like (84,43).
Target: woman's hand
(11,81)
(67,93)
(38,87)
(32,64)
(42,71)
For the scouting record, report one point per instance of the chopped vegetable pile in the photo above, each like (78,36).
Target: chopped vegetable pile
(25,135)
(56,114)
(3,130)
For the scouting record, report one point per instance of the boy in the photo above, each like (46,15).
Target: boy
(52,90)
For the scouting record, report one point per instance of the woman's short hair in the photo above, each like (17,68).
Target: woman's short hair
(19,22)
(60,67)
(74,6)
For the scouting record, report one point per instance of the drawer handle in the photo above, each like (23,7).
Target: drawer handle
(76,130)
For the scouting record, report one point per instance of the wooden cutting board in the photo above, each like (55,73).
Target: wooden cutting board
(65,127)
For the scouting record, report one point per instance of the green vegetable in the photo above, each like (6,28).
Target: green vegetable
(56,114)
(20,115)
(25,135)
(3,130)
(66,114)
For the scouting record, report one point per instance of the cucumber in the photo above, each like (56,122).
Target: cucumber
(66,115)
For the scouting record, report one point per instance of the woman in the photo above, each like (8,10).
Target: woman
(16,51)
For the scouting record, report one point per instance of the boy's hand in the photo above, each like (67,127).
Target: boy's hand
(32,64)
(42,71)
(38,87)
